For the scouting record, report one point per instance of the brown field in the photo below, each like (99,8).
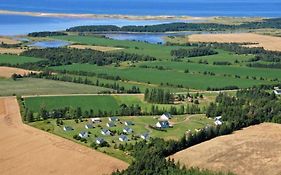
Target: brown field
(26,150)
(11,50)
(7,40)
(98,48)
(255,150)
(7,72)
(265,41)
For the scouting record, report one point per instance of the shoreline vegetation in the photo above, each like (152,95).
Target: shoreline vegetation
(213,19)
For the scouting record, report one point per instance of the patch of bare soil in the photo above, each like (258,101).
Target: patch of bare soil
(7,72)
(27,150)
(255,150)
(98,48)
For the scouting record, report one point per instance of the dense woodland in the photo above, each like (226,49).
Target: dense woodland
(45,34)
(65,56)
(268,23)
(158,96)
(195,52)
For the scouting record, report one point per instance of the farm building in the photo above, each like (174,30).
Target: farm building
(67,128)
(123,138)
(89,126)
(110,124)
(113,119)
(144,136)
(165,117)
(100,141)
(128,130)
(163,124)
(277,91)
(129,123)
(218,120)
(105,132)
(83,134)
(96,120)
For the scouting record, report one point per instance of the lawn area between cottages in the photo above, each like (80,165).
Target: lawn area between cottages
(181,124)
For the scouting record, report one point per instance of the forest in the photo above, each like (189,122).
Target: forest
(195,52)
(45,34)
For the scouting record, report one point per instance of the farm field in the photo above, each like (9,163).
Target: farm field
(20,142)
(181,124)
(268,42)
(109,103)
(7,72)
(253,151)
(32,86)
(98,48)
(174,77)
(15,59)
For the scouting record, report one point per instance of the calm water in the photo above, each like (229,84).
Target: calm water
(269,8)
(50,44)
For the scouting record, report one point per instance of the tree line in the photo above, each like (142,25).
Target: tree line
(45,34)
(159,96)
(194,52)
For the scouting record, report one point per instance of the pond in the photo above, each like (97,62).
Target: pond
(50,44)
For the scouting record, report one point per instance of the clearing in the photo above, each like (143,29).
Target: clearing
(267,42)
(7,72)
(98,48)
(26,150)
(255,150)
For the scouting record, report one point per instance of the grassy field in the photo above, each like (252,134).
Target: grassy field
(176,76)
(29,86)
(15,59)
(109,103)
(181,125)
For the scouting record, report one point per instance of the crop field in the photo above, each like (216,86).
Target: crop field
(27,150)
(14,59)
(109,103)
(98,48)
(181,124)
(7,72)
(158,51)
(32,86)
(175,77)
(254,151)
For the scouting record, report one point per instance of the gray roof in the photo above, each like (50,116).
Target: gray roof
(111,124)
(68,128)
(113,118)
(164,124)
(129,122)
(89,125)
(100,139)
(128,129)
(123,137)
(105,130)
(83,132)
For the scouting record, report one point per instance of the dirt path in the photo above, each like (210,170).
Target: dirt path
(63,95)
(26,150)
(255,150)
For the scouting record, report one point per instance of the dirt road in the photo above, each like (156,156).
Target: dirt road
(29,151)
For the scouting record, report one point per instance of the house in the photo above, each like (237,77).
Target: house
(67,128)
(163,124)
(89,126)
(127,130)
(277,91)
(218,118)
(83,134)
(129,123)
(144,136)
(218,122)
(165,117)
(105,132)
(113,119)
(96,120)
(100,141)
(110,124)
(123,138)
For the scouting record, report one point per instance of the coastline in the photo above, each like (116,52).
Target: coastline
(103,16)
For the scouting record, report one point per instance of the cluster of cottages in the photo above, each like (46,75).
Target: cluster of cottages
(164,121)
(106,132)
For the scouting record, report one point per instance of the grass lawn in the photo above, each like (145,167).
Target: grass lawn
(181,125)
(15,59)
(32,86)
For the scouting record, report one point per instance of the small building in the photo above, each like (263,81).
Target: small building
(123,138)
(100,141)
(165,117)
(218,122)
(129,123)
(67,128)
(96,120)
(83,134)
(277,91)
(113,119)
(89,126)
(110,124)
(105,132)
(163,124)
(127,130)
(145,136)
(218,118)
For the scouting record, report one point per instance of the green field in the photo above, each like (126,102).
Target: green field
(15,59)
(109,103)
(32,86)
(180,126)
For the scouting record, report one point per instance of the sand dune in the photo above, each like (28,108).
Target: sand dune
(26,150)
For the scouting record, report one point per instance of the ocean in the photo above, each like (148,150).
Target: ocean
(16,25)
